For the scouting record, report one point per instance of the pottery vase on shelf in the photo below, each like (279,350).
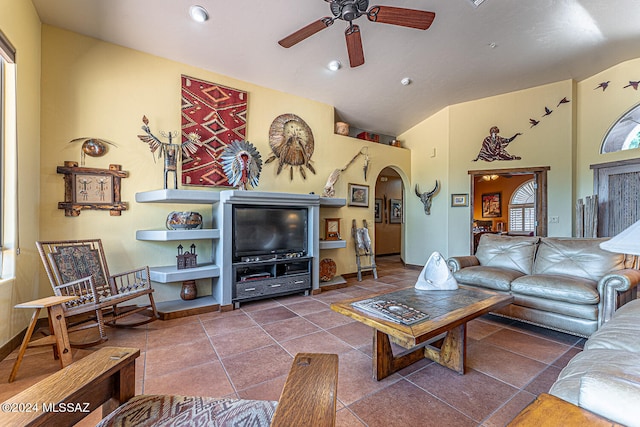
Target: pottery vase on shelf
(189,290)
(342,128)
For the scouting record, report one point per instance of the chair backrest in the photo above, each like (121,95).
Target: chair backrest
(69,260)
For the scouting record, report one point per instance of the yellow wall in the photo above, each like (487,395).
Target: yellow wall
(597,112)
(459,130)
(20,23)
(93,88)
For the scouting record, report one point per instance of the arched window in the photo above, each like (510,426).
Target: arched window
(624,134)
(522,214)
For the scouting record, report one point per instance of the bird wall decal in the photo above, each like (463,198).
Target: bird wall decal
(633,84)
(547,111)
(533,122)
(603,86)
(563,101)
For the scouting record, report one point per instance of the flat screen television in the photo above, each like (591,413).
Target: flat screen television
(269,230)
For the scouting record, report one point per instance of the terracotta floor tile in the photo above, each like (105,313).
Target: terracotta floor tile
(240,341)
(307,307)
(509,410)
(355,333)
(224,325)
(389,407)
(251,306)
(355,377)
(478,329)
(346,418)
(270,315)
(318,342)
(285,330)
(474,394)
(527,345)
(206,379)
(268,390)
(175,336)
(257,366)
(166,359)
(543,382)
(502,364)
(328,320)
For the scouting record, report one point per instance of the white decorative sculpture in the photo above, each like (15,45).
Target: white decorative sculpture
(435,276)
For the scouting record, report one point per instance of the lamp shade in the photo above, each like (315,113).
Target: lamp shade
(626,242)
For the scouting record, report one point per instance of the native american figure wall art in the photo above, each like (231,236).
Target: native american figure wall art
(169,150)
(218,115)
(242,164)
(291,141)
(494,147)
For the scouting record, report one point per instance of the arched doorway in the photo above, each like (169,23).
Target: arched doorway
(389,212)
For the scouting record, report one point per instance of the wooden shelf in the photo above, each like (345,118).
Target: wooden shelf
(181,308)
(173,235)
(178,196)
(333,244)
(168,274)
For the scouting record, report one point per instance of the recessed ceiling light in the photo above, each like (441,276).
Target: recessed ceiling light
(334,65)
(198,13)
(406,81)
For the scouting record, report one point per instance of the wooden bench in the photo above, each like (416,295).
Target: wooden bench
(107,378)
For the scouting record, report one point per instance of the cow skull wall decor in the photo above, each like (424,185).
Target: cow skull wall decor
(425,198)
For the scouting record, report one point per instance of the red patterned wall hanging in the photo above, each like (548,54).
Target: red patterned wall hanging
(218,116)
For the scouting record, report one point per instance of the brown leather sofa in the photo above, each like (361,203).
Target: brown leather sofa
(566,284)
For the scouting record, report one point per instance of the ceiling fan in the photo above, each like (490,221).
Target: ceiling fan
(349,10)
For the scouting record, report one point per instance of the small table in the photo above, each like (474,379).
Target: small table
(551,411)
(57,325)
(449,312)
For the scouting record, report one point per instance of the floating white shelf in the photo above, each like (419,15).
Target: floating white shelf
(337,280)
(333,244)
(328,202)
(176,308)
(168,274)
(173,235)
(178,196)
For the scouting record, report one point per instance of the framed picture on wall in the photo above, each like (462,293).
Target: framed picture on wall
(458,200)
(395,211)
(491,205)
(359,195)
(378,210)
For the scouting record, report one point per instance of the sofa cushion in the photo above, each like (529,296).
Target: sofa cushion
(576,257)
(620,363)
(547,306)
(615,398)
(512,252)
(622,332)
(556,287)
(495,278)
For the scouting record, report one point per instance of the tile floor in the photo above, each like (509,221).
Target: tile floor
(247,353)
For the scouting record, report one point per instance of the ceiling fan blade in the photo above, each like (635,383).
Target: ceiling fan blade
(354,46)
(305,32)
(412,18)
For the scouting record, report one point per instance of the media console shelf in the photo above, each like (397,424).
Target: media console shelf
(332,202)
(170,273)
(275,277)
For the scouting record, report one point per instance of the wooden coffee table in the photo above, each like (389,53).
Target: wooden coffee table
(449,312)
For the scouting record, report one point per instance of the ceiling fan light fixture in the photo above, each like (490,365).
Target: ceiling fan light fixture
(334,65)
(198,13)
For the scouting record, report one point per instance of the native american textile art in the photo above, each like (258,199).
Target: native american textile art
(218,115)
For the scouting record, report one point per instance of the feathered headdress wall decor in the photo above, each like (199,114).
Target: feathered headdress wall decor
(242,164)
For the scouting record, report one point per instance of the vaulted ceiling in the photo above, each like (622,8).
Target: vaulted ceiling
(468,52)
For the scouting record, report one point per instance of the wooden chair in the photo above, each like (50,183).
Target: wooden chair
(107,378)
(79,268)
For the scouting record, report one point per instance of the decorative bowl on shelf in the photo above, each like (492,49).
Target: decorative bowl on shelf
(184,221)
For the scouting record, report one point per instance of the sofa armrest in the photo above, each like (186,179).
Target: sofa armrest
(459,262)
(67,396)
(616,289)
